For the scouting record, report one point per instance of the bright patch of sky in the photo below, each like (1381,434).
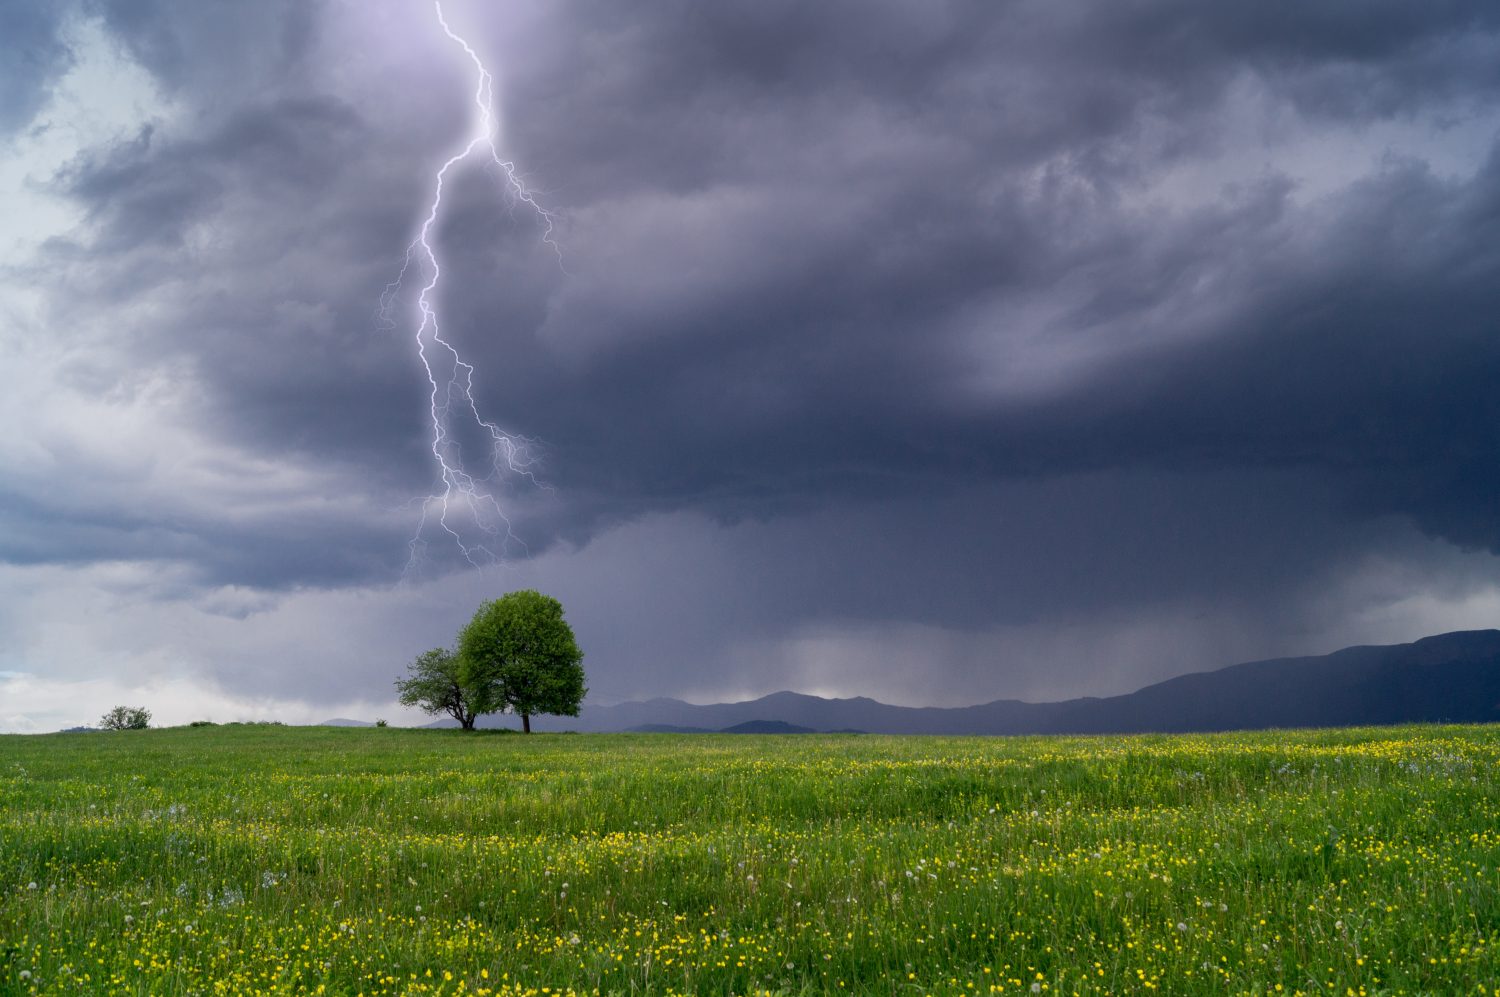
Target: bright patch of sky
(104,96)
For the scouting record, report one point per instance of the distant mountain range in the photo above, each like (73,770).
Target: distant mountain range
(1449,678)
(748,727)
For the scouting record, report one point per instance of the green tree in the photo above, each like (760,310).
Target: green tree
(126,718)
(519,655)
(435,684)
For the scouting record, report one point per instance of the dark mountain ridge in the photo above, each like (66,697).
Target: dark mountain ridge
(1452,677)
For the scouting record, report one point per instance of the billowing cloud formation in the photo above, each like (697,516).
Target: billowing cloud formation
(1013,331)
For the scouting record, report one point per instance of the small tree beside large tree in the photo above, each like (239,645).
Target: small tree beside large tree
(435,684)
(518,655)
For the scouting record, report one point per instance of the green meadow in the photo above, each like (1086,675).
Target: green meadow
(275,860)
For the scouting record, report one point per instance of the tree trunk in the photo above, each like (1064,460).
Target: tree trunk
(526,722)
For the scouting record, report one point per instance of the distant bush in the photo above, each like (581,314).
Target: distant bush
(126,718)
(203,723)
(380,723)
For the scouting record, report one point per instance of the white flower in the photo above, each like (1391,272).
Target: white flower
(31,885)
(1181,926)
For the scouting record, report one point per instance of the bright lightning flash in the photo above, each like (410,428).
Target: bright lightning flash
(465,506)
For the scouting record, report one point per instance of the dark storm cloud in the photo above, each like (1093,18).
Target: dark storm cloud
(32,57)
(682,96)
(142,195)
(1369,352)
(818,256)
(244,251)
(291,551)
(211,49)
(214,51)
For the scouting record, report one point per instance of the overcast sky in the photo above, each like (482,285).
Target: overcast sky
(938,352)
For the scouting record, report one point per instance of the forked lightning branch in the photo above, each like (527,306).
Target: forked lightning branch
(465,509)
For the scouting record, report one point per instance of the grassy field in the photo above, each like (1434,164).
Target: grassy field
(261,859)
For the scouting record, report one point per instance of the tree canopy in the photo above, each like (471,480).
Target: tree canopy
(435,685)
(518,654)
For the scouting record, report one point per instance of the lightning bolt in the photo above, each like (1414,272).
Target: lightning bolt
(465,506)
